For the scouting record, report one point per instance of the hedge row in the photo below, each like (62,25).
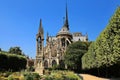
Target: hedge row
(12,62)
(104,54)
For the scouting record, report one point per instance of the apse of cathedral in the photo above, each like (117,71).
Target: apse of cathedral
(53,53)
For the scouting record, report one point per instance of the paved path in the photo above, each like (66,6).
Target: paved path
(91,77)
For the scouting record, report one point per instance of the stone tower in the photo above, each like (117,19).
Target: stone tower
(39,67)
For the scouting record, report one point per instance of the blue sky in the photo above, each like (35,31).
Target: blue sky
(19,19)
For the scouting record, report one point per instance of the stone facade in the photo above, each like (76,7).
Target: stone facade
(53,53)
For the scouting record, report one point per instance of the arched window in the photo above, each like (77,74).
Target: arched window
(67,43)
(39,43)
(61,64)
(54,63)
(46,64)
(63,42)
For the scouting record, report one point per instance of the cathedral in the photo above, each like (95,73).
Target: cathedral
(53,52)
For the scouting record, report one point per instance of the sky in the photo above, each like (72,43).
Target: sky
(19,20)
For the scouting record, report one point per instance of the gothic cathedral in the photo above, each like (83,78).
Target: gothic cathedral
(53,53)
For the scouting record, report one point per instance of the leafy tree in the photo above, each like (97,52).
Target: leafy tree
(89,57)
(0,49)
(74,53)
(15,50)
(105,52)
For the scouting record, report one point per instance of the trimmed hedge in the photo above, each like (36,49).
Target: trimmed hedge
(12,62)
(103,55)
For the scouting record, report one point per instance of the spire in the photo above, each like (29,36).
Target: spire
(66,24)
(40,27)
(47,36)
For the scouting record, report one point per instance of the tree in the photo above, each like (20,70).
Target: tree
(89,57)
(15,50)
(74,53)
(0,49)
(104,54)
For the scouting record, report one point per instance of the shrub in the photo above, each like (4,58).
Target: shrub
(62,75)
(3,78)
(5,74)
(11,77)
(31,68)
(15,76)
(32,76)
(71,76)
(36,76)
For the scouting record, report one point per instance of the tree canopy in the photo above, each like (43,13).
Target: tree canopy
(74,53)
(15,50)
